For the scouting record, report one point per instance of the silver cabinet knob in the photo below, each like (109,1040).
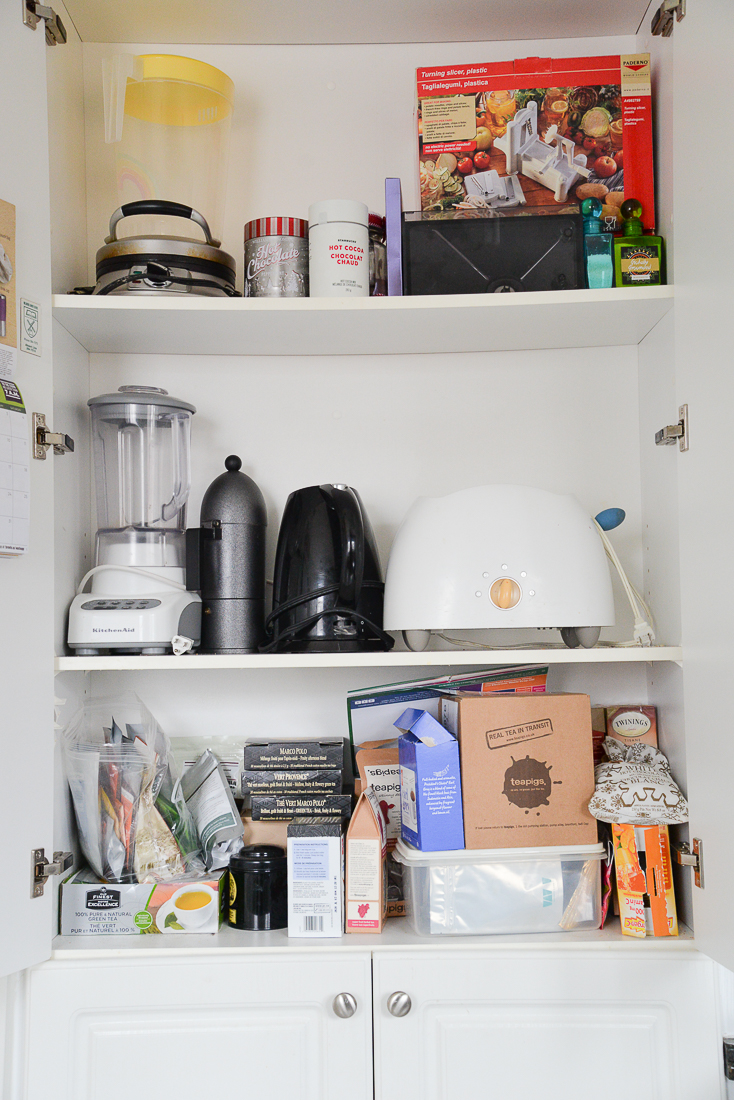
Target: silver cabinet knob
(345,1005)
(399,1004)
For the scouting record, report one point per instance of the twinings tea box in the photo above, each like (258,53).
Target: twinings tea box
(644,881)
(633,723)
(91,907)
(366,885)
(527,769)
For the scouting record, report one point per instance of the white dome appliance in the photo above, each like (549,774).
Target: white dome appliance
(498,556)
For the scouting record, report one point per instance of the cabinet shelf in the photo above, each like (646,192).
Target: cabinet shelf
(466,658)
(397,936)
(323,21)
(444,323)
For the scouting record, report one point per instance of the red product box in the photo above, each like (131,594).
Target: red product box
(536,133)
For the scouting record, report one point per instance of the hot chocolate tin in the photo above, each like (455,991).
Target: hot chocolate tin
(276,258)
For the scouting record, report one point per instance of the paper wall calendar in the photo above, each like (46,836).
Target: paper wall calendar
(15,475)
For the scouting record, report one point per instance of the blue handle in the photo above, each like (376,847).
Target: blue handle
(610,518)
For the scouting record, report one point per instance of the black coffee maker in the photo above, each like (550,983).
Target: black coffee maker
(327,586)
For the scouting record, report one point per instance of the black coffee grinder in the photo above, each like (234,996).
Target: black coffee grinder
(225,560)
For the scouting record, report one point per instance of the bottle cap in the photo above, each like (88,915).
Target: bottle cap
(592,211)
(631,211)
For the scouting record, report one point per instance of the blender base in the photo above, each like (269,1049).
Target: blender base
(97,624)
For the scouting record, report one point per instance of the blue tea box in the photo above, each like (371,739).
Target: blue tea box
(430,783)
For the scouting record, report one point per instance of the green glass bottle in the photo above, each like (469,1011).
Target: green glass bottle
(638,257)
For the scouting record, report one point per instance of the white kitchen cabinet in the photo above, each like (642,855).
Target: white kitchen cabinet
(546,1020)
(565,393)
(199,1026)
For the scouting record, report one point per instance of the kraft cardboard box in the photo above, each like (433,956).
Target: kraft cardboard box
(527,770)
(430,784)
(486,130)
(366,873)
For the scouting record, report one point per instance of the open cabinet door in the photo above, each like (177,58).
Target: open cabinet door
(704,316)
(26,582)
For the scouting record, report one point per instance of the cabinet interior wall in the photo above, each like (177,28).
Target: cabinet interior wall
(319,121)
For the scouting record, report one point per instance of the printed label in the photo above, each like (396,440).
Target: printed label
(511,735)
(635,69)
(449,118)
(362,915)
(639,264)
(528,783)
(363,870)
(631,723)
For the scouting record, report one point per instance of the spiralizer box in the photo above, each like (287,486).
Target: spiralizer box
(535,133)
(644,881)
(430,784)
(527,768)
(92,907)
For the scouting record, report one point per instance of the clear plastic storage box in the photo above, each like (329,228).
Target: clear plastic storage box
(484,892)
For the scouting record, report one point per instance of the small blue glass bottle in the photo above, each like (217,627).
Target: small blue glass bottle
(597,247)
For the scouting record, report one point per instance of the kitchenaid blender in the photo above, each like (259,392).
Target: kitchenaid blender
(138,601)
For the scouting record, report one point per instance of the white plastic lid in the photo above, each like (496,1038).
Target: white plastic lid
(407,854)
(337,210)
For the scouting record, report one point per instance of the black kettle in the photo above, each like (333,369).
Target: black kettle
(327,585)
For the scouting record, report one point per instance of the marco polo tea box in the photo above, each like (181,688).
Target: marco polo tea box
(535,133)
(527,770)
(92,907)
(271,756)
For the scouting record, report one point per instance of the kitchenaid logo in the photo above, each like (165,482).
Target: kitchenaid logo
(526,731)
(113,630)
(103,899)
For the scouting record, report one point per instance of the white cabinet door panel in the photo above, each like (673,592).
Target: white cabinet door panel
(544,1024)
(190,1028)
(27,582)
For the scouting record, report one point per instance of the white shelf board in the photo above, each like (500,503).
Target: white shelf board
(445,323)
(442,658)
(326,21)
(396,937)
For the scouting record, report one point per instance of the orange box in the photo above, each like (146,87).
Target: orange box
(646,895)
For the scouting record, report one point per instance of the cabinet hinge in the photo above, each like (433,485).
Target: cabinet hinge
(675,433)
(682,854)
(41,868)
(33,13)
(662,20)
(43,438)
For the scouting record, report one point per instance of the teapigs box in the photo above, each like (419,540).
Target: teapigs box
(92,907)
(430,784)
(537,132)
(527,769)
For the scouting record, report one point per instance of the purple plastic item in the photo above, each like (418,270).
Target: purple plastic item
(394,236)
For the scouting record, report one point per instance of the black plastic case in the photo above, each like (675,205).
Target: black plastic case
(512,251)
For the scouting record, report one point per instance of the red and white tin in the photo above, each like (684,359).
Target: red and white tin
(276,258)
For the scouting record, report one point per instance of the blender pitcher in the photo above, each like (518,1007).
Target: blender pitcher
(138,600)
(169,118)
